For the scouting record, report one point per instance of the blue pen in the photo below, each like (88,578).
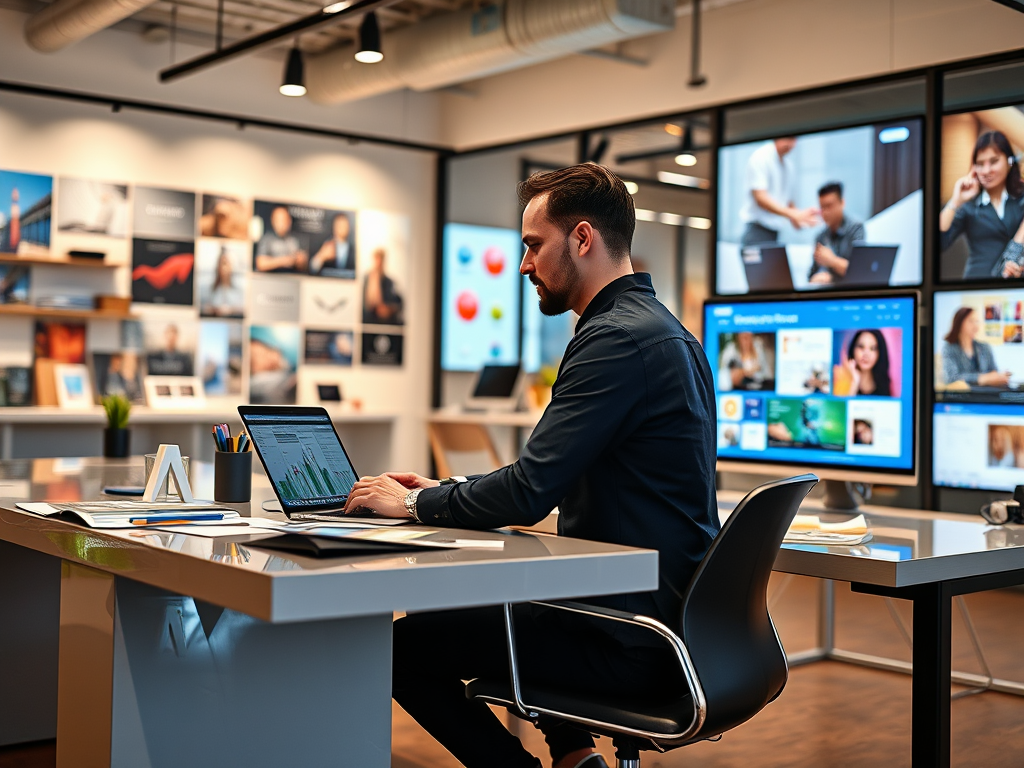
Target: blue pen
(174,518)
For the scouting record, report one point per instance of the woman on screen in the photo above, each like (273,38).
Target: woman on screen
(967,360)
(987,206)
(744,364)
(865,371)
(224,298)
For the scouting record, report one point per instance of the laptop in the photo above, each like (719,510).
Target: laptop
(308,467)
(497,388)
(870,265)
(767,268)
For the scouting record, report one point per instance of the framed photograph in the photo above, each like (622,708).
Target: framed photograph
(329,393)
(329,347)
(118,373)
(174,392)
(304,240)
(74,389)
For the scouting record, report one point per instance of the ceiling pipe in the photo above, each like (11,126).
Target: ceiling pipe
(696,78)
(64,22)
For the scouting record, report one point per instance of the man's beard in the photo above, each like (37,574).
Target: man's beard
(557,298)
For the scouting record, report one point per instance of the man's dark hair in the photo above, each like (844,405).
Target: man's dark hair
(587,192)
(832,188)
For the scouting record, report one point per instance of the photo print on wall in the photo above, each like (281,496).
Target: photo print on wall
(170,345)
(162,271)
(164,213)
(273,360)
(89,207)
(221,276)
(303,239)
(224,216)
(220,357)
(384,245)
(382,349)
(26,208)
(329,347)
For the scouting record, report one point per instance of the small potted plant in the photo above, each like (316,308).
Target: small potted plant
(116,436)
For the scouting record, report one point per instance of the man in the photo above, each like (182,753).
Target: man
(170,361)
(337,253)
(771,182)
(834,244)
(382,303)
(626,450)
(279,250)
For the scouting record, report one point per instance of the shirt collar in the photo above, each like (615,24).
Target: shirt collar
(638,281)
(985,199)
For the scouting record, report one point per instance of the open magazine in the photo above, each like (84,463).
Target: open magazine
(131,514)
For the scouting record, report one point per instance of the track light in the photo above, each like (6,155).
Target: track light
(294,82)
(369,40)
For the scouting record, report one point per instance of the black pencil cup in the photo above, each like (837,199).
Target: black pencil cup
(232,476)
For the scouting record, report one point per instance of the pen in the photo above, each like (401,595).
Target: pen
(174,519)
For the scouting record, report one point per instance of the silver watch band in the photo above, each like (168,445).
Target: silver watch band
(410,503)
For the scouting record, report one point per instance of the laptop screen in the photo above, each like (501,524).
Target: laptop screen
(303,457)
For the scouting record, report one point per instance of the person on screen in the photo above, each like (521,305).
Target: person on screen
(1001,450)
(279,250)
(382,303)
(634,407)
(987,207)
(967,360)
(834,244)
(863,432)
(770,191)
(223,298)
(337,253)
(865,371)
(744,364)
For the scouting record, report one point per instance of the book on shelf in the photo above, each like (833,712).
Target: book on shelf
(14,284)
(15,386)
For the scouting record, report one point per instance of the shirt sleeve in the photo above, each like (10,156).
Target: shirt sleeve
(952,368)
(956,229)
(600,389)
(757,172)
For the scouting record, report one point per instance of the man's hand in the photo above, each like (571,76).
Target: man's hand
(382,495)
(411,480)
(824,255)
(802,218)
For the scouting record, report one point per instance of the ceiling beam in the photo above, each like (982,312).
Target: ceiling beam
(271,36)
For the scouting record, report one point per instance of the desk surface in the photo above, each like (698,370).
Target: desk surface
(282,587)
(908,547)
(212,412)
(456,415)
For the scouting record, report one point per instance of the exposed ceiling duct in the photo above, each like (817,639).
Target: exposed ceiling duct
(67,21)
(469,44)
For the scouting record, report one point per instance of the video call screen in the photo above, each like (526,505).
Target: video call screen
(836,209)
(982,195)
(815,382)
(978,438)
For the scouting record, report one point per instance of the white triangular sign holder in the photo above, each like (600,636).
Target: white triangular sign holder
(168,460)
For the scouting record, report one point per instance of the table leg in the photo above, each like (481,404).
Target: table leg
(186,683)
(29,624)
(933,614)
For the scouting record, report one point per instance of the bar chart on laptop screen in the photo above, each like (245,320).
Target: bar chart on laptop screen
(305,461)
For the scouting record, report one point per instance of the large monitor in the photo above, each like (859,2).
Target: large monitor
(981,154)
(828,384)
(978,427)
(858,191)
(480,297)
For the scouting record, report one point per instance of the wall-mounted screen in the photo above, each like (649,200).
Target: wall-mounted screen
(981,223)
(480,297)
(978,445)
(815,382)
(837,209)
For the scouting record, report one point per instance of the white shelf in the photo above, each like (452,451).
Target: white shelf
(143,415)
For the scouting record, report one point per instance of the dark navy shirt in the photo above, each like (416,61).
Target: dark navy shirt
(625,449)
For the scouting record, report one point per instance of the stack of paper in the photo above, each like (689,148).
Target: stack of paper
(809,529)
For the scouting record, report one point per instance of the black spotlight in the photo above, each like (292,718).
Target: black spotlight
(294,82)
(369,40)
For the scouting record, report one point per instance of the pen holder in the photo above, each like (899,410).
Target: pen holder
(232,476)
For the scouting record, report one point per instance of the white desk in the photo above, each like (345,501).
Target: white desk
(456,415)
(177,650)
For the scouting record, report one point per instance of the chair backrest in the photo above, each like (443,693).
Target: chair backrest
(454,437)
(732,642)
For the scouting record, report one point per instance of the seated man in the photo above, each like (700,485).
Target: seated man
(834,244)
(626,449)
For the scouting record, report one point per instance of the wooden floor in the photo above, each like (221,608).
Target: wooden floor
(831,714)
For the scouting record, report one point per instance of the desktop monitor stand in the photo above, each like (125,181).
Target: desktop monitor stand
(846,497)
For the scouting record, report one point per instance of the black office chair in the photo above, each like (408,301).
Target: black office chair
(730,654)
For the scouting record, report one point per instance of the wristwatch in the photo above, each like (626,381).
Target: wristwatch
(410,503)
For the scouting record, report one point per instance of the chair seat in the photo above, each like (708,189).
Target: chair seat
(664,718)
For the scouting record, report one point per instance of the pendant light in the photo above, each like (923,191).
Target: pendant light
(369,40)
(686,158)
(294,83)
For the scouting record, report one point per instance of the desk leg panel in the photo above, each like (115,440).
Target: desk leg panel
(196,685)
(29,628)
(933,615)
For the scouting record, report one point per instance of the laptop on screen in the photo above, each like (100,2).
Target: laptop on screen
(870,265)
(309,469)
(767,268)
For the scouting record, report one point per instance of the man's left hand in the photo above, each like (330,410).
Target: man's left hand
(824,255)
(381,495)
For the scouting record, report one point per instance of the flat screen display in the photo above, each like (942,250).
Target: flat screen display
(978,445)
(836,209)
(982,195)
(497,381)
(815,382)
(480,297)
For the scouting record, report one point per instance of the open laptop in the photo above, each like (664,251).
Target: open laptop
(870,265)
(308,467)
(767,268)
(497,388)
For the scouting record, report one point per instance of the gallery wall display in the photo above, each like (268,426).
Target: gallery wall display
(162,271)
(225,216)
(91,207)
(273,362)
(302,239)
(164,213)
(26,212)
(221,277)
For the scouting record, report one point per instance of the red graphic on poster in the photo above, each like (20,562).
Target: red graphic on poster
(494,260)
(176,268)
